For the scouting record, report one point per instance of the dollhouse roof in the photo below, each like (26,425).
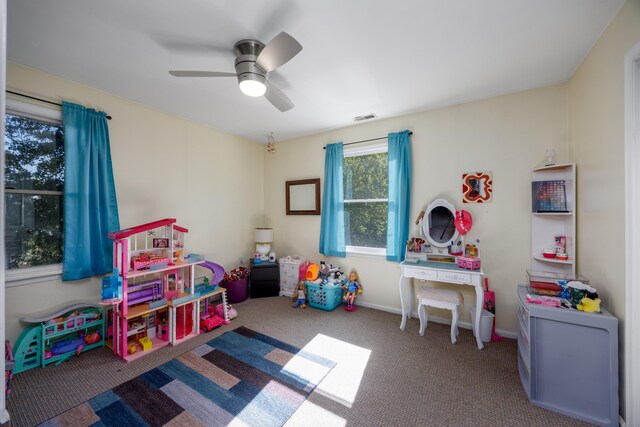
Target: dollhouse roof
(121,234)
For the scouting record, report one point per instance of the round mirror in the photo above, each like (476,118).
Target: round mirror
(438,223)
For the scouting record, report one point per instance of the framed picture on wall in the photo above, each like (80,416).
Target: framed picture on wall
(477,187)
(160,243)
(303,197)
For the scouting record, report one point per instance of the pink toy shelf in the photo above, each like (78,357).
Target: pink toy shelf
(159,304)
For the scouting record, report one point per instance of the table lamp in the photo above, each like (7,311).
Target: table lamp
(263,238)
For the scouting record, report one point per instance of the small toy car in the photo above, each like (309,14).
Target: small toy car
(210,323)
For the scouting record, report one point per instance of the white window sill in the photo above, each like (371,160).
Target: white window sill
(365,252)
(32,275)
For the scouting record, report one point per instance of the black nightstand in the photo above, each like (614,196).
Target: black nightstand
(264,279)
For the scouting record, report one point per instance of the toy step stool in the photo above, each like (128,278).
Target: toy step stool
(439,298)
(146,343)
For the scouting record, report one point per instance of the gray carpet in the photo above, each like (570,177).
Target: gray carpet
(408,380)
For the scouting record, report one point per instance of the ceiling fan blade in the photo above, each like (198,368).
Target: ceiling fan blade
(277,52)
(201,74)
(276,97)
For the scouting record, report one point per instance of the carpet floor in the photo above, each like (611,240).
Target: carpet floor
(383,376)
(242,377)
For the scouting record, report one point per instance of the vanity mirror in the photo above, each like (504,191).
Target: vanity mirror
(438,224)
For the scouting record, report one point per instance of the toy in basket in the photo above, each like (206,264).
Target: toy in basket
(352,288)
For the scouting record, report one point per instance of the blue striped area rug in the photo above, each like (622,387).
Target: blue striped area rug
(241,377)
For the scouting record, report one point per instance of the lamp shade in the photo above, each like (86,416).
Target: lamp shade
(263,235)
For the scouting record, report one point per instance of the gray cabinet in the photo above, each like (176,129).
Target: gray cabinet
(568,360)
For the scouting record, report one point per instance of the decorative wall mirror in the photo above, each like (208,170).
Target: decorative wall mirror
(303,197)
(438,224)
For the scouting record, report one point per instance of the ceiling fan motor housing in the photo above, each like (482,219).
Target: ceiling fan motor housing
(246,53)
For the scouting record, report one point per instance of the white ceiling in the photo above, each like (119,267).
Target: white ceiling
(358,57)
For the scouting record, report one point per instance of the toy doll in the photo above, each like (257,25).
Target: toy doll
(353,288)
(299,297)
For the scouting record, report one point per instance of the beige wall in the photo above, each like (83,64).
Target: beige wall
(506,135)
(596,117)
(164,167)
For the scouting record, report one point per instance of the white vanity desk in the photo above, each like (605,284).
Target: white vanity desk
(439,272)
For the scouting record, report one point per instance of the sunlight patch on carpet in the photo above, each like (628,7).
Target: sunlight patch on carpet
(343,381)
(310,415)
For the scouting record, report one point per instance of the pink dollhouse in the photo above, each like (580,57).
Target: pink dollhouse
(159,303)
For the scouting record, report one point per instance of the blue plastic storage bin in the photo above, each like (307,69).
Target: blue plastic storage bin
(324,297)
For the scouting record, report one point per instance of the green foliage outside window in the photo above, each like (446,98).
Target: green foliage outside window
(34,180)
(366,178)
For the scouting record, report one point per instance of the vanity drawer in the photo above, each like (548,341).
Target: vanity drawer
(453,276)
(421,273)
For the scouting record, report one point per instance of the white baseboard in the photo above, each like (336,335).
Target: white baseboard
(465,325)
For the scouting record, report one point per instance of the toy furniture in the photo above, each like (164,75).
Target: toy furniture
(112,287)
(289,274)
(439,298)
(160,303)
(144,291)
(58,336)
(439,272)
(264,280)
(469,262)
(568,360)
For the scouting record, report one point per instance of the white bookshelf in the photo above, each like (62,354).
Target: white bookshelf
(546,225)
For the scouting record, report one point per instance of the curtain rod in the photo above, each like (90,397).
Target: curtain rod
(365,140)
(41,100)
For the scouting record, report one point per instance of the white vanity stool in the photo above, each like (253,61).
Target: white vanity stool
(439,298)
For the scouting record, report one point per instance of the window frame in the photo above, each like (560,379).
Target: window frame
(41,273)
(369,149)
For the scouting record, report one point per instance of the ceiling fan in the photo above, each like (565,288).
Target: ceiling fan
(254,62)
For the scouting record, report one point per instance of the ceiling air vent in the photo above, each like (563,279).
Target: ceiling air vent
(364,117)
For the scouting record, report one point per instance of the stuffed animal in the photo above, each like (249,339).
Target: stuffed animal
(299,297)
(324,269)
(589,305)
(312,272)
(575,292)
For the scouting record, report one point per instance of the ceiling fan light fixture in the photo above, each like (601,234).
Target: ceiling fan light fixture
(252,85)
(254,61)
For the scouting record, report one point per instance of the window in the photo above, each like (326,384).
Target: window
(34,179)
(366,199)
